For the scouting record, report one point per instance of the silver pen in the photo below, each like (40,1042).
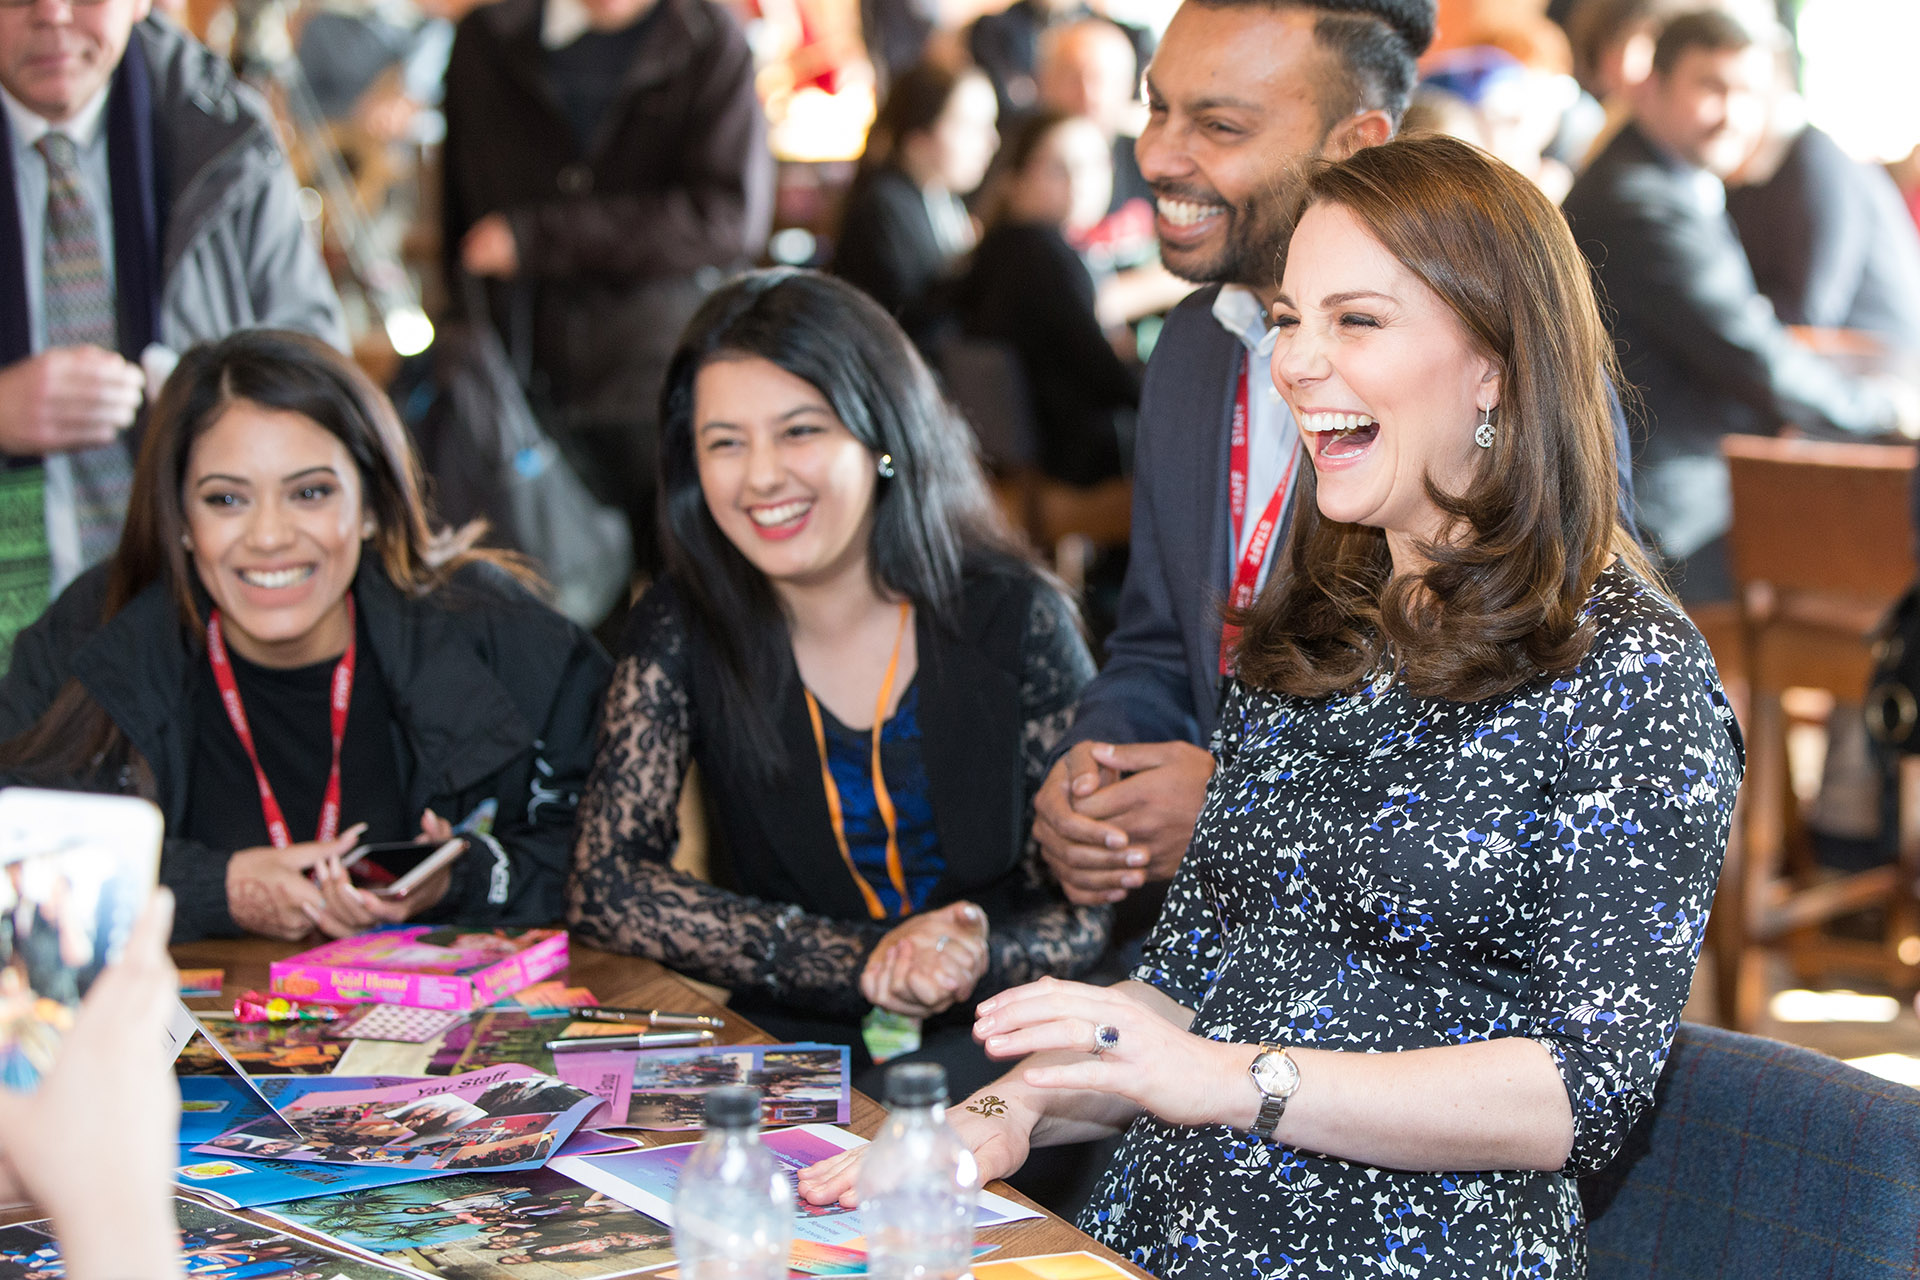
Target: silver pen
(652,1017)
(645,1040)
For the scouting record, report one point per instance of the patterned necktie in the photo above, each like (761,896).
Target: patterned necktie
(80,310)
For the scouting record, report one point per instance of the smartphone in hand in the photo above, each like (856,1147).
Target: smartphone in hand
(75,870)
(395,869)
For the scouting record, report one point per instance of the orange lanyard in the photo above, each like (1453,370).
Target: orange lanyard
(882,801)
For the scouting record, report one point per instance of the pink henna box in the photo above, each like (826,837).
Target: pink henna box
(425,966)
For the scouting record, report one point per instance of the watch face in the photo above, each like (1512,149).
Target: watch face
(1275,1074)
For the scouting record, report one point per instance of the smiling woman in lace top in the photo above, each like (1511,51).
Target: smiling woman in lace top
(867,674)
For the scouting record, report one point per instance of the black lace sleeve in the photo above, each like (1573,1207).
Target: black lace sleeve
(624,896)
(1055,937)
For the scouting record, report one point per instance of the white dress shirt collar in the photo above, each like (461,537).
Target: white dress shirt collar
(1240,314)
(562,22)
(29,126)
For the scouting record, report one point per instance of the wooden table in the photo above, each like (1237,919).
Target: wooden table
(636,983)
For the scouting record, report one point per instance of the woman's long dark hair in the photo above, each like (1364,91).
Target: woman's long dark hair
(931,519)
(274,369)
(1503,599)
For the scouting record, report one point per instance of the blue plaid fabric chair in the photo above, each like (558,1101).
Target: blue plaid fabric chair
(1761,1161)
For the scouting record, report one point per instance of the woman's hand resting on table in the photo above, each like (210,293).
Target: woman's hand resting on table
(290,893)
(1153,1063)
(996,1129)
(929,962)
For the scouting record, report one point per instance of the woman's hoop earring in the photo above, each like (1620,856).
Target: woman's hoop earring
(885,466)
(1483,434)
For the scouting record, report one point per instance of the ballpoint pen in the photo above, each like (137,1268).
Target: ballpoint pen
(652,1017)
(645,1040)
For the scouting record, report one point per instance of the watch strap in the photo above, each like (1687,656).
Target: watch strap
(1272,1105)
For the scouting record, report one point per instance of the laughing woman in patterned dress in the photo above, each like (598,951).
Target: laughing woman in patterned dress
(869,677)
(1422,964)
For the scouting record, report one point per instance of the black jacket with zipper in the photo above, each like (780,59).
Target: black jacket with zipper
(495,697)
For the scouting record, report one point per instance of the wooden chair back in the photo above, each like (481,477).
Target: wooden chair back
(1821,546)
(1815,516)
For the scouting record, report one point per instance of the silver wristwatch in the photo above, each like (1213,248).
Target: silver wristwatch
(1276,1077)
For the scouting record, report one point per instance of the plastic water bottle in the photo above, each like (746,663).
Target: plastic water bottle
(918,1184)
(733,1211)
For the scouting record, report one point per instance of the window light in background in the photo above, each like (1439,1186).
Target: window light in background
(1859,74)
(1832,1006)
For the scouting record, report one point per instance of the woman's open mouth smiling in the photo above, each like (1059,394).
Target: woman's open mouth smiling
(780,519)
(1339,437)
(276,579)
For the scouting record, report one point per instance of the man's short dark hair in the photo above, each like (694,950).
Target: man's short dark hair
(1710,29)
(1372,64)
(1412,20)
(1372,46)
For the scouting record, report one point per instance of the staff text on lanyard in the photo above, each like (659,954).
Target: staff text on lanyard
(1247,563)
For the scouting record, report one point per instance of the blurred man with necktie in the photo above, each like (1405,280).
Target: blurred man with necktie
(149,205)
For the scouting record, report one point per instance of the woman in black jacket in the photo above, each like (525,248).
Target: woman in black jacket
(869,678)
(289,658)
(1028,288)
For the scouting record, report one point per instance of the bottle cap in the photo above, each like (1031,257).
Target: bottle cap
(917,1084)
(736,1106)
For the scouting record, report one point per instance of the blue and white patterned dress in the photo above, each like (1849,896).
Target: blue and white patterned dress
(1377,872)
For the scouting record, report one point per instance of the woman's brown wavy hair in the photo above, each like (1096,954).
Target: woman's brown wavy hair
(74,740)
(1501,600)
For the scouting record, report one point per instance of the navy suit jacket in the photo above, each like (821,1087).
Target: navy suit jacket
(1161,682)
(1703,346)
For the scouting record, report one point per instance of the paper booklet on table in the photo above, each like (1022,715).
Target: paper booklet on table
(506,1117)
(213,1246)
(537,1225)
(666,1089)
(211,1105)
(233,1182)
(647,1179)
(1051,1266)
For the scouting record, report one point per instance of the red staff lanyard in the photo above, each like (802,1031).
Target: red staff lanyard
(881,799)
(342,697)
(1246,573)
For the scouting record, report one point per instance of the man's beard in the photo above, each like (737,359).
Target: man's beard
(1254,250)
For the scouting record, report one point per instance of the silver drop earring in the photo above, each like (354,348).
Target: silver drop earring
(886,466)
(1483,434)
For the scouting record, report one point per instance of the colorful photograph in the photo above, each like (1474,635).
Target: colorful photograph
(72,877)
(1051,1266)
(647,1180)
(536,1225)
(502,1118)
(665,1089)
(261,1048)
(213,1246)
(494,1037)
